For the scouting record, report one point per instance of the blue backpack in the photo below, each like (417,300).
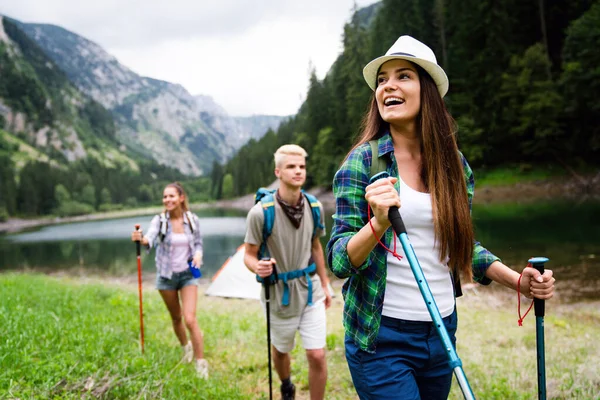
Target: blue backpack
(267,200)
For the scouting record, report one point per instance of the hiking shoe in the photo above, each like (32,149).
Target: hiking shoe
(188,353)
(202,368)
(288,393)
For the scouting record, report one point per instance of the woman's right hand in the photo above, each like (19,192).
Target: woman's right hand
(382,195)
(137,236)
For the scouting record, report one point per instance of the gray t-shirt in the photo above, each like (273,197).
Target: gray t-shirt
(291,248)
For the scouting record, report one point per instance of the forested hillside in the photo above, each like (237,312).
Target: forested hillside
(524,78)
(58,151)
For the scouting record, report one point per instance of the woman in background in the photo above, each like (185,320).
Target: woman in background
(176,235)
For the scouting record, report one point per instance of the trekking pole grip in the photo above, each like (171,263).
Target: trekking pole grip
(393,212)
(267,281)
(138,242)
(539,304)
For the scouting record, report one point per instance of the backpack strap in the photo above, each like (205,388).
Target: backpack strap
(190,218)
(267,203)
(315,207)
(162,231)
(377,163)
(288,276)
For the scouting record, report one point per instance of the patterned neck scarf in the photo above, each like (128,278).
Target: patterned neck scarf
(293,212)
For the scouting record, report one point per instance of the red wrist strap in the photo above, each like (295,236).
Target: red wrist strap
(394,253)
(520,321)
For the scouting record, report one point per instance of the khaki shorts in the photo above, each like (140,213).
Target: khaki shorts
(312,325)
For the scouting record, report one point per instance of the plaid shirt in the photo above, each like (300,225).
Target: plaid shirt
(163,249)
(364,290)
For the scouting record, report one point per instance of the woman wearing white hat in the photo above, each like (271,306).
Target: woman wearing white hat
(392,348)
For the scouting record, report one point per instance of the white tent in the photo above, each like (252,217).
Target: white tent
(235,280)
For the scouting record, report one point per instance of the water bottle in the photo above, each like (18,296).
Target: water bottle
(194,269)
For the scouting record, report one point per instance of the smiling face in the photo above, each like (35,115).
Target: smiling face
(398,93)
(291,171)
(172,200)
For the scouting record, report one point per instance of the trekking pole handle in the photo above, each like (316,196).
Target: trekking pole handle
(267,280)
(137,242)
(539,304)
(393,213)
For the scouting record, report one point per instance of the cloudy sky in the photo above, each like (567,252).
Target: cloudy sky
(251,56)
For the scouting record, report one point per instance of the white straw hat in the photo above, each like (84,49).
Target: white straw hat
(409,48)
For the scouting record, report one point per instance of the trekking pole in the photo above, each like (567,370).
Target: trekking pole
(139,268)
(539,306)
(434,312)
(267,283)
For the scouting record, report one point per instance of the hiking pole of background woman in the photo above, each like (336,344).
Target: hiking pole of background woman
(454,361)
(267,283)
(539,306)
(139,269)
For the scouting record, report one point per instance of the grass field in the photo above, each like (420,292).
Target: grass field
(62,338)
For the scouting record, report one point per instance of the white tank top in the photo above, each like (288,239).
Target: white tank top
(180,252)
(403,300)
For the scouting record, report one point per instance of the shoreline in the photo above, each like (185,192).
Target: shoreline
(567,188)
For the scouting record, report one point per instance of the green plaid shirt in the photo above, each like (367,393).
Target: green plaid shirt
(364,289)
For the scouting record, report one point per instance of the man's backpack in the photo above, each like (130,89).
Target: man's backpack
(267,200)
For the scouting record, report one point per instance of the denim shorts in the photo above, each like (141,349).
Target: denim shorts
(410,359)
(178,280)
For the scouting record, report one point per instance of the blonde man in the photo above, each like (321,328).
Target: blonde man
(301,295)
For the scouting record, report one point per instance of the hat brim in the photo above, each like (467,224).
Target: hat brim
(437,73)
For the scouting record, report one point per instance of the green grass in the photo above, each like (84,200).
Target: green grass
(500,357)
(518,174)
(69,339)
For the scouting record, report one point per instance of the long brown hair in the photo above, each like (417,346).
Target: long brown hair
(441,172)
(179,187)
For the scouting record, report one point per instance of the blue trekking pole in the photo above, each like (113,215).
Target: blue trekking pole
(434,312)
(539,306)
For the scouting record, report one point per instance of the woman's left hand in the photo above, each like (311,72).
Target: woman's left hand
(534,284)
(197,260)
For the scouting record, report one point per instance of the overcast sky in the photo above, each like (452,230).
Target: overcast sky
(251,56)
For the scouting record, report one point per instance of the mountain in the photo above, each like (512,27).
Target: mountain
(238,130)
(159,119)
(43,116)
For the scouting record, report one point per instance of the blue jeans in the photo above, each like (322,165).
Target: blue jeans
(409,363)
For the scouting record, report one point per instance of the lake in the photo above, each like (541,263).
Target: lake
(567,233)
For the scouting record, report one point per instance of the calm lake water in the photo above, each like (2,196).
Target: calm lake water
(567,233)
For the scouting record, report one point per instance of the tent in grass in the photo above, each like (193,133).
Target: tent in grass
(235,280)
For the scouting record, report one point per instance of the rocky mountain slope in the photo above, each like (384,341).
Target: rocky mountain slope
(159,119)
(43,115)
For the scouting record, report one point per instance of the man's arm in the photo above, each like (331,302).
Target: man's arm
(319,259)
